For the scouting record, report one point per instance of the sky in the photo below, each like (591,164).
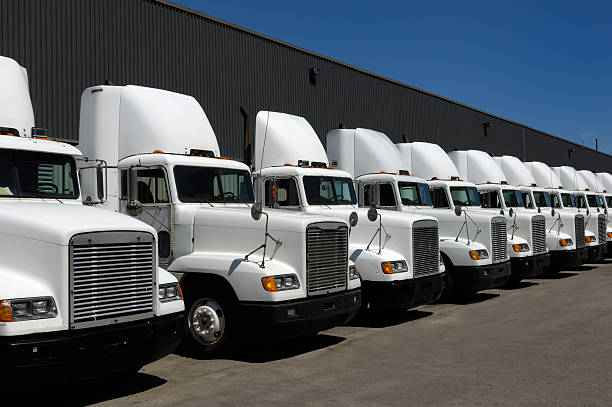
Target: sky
(542,63)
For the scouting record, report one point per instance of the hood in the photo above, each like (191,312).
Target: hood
(279,220)
(56,222)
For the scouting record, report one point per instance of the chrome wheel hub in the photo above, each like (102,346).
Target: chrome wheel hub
(208,321)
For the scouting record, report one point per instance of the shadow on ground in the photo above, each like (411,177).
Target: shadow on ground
(263,353)
(557,276)
(476,298)
(385,319)
(90,392)
(518,286)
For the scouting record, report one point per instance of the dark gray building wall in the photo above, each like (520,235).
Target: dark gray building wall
(68,45)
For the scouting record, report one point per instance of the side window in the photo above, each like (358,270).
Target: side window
(124,185)
(151,186)
(489,199)
(286,192)
(387,196)
(555,201)
(440,200)
(54,179)
(367,195)
(527,199)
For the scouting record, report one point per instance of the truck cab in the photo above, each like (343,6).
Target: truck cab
(245,271)
(560,225)
(589,203)
(597,198)
(473,252)
(605,180)
(82,295)
(397,255)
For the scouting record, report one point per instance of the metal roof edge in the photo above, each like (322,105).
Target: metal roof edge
(364,71)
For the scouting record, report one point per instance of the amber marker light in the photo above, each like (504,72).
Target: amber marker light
(6,313)
(387,268)
(563,242)
(269,284)
(474,255)
(587,239)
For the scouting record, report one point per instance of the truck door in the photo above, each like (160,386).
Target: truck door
(147,188)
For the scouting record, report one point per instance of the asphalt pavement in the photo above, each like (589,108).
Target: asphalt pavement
(546,342)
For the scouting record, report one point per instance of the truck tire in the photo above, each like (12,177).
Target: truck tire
(449,287)
(211,322)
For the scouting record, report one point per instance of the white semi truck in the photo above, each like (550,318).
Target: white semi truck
(597,196)
(526,231)
(589,202)
(561,225)
(81,293)
(396,254)
(473,245)
(563,199)
(605,180)
(244,272)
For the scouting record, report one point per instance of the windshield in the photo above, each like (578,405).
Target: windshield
(600,201)
(580,201)
(27,174)
(213,185)
(609,201)
(568,200)
(329,190)
(413,193)
(513,198)
(542,199)
(465,196)
(592,201)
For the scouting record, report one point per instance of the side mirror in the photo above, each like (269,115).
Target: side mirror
(353,218)
(511,212)
(458,210)
(256,211)
(552,212)
(372,214)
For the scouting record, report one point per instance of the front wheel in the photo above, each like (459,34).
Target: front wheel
(211,324)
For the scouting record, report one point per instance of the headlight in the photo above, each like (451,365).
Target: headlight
(392,267)
(566,242)
(170,292)
(479,254)
(353,273)
(27,308)
(281,282)
(588,239)
(521,247)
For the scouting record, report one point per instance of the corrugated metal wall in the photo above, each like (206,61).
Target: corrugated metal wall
(68,45)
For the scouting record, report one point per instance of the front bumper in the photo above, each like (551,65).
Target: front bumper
(525,267)
(609,248)
(267,320)
(568,258)
(468,280)
(65,356)
(403,294)
(597,253)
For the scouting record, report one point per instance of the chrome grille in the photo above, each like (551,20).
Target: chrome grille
(112,276)
(538,234)
(426,251)
(601,229)
(579,225)
(499,239)
(326,257)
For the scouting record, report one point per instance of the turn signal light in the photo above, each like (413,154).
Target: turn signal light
(587,239)
(269,284)
(563,242)
(474,255)
(6,313)
(610,235)
(387,268)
